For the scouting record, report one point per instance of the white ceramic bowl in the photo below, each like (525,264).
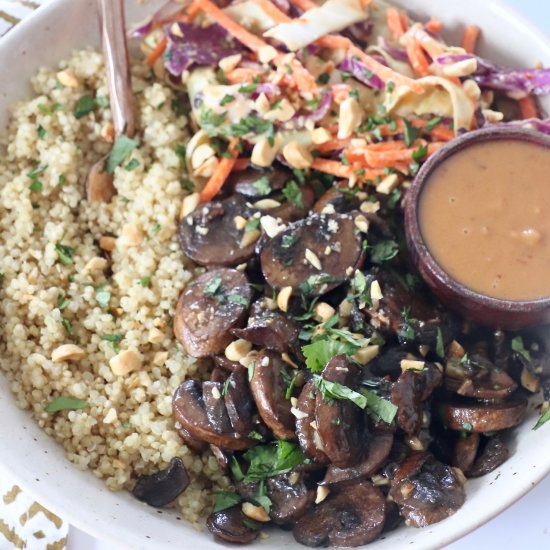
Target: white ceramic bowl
(38,463)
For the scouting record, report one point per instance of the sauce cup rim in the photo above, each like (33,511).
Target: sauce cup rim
(415,241)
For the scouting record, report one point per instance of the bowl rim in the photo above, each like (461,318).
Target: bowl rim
(415,239)
(106,529)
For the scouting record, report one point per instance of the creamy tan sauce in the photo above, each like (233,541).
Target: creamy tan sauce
(485,216)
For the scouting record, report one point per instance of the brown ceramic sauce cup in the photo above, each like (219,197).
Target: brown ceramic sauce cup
(486,310)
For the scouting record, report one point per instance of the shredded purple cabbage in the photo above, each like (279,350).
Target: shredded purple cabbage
(487,75)
(167,10)
(317,115)
(359,32)
(361,73)
(397,53)
(542,126)
(198,46)
(267,88)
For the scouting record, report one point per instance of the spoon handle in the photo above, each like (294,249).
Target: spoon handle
(115,51)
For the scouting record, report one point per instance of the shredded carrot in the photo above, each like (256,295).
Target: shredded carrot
(273,12)
(388,159)
(434,25)
(417,58)
(394,145)
(528,107)
(193,10)
(336,168)
(251,41)
(395,25)
(385,73)
(241,164)
(405,23)
(241,75)
(430,45)
(304,5)
(470,38)
(332,145)
(220,175)
(340,92)
(157,52)
(304,80)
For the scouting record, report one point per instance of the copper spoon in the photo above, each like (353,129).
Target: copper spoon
(99,184)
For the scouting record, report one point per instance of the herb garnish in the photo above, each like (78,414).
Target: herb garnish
(262,186)
(225,500)
(518,346)
(410,134)
(65,253)
(272,459)
(226,99)
(64,403)
(384,251)
(293,194)
(114,340)
(122,148)
(103,296)
(84,106)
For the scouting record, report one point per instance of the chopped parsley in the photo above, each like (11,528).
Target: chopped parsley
(180,151)
(252,224)
(62,302)
(155,230)
(289,240)
(237,299)
(248,88)
(67,326)
(251,124)
(41,132)
(406,330)
(64,403)
(323,79)
(122,148)
(320,352)
(544,418)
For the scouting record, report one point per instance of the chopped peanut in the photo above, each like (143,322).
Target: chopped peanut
(125,362)
(67,352)
(237,349)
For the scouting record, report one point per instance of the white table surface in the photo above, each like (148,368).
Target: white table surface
(526,524)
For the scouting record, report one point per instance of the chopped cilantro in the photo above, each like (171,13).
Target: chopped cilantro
(41,132)
(132,165)
(61,180)
(262,186)
(145,282)
(431,124)
(237,299)
(333,391)
(214,286)
(226,99)
(255,435)
(251,224)
(289,240)
(251,124)
(62,302)
(518,346)
(544,418)
(320,352)
(225,500)
(67,326)
(36,186)
(248,88)
(65,253)
(293,194)
(323,79)
(122,148)
(420,154)
(155,230)
(384,251)
(102,101)
(64,403)
(411,133)
(210,121)
(180,151)
(84,106)
(114,340)
(390,86)
(272,459)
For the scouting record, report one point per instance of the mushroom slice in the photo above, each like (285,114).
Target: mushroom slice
(306,427)
(406,395)
(351,517)
(163,487)
(211,235)
(269,329)
(209,308)
(465,450)
(214,405)
(340,422)
(338,200)
(483,417)
(496,384)
(224,363)
(255,183)
(229,526)
(290,497)
(313,255)
(269,391)
(194,444)
(189,411)
(426,490)
(238,401)
(493,455)
(378,449)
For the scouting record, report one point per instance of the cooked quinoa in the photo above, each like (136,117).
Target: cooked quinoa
(52,295)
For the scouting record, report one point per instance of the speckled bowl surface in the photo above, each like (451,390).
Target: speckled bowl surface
(39,464)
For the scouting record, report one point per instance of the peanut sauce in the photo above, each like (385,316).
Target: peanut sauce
(484,214)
